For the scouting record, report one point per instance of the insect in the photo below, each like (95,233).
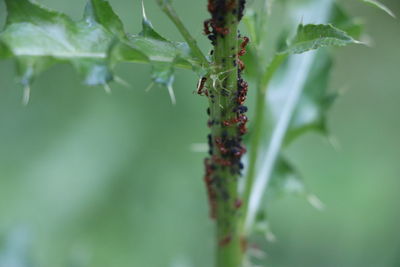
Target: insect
(206,25)
(241,65)
(212,196)
(200,86)
(221,30)
(238,203)
(225,241)
(221,145)
(243,45)
(221,161)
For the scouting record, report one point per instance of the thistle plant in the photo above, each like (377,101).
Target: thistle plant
(287,79)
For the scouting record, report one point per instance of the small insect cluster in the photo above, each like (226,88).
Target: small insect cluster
(226,149)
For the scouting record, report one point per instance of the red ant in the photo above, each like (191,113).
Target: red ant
(221,146)
(230,5)
(225,241)
(211,192)
(222,161)
(241,65)
(211,7)
(207,24)
(228,123)
(221,30)
(242,129)
(238,203)
(243,45)
(242,118)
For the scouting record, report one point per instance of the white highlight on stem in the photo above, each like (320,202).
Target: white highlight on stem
(298,69)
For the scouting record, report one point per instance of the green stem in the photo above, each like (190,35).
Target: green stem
(222,87)
(257,127)
(173,16)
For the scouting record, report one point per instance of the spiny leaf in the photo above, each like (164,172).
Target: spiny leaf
(100,11)
(380,6)
(312,36)
(39,38)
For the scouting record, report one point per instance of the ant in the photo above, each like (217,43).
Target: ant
(225,241)
(207,24)
(211,7)
(221,146)
(243,45)
(238,203)
(221,161)
(241,65)
(222,30)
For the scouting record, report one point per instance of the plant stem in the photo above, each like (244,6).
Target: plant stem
(257,127)
(224,167)
(171,13)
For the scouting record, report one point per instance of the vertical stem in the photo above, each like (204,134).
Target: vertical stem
(226,91)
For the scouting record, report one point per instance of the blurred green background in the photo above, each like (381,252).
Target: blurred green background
(90,179)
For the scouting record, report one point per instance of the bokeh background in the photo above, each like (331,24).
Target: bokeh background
(90,179)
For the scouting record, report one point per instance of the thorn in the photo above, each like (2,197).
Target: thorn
(143,11)
(149,87)
(121,81)
(315,202)
(107,88)
(26,95)
(172,94)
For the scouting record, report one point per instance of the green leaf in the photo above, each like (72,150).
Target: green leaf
(342,20)
(315,102)
(285,180)
(39,38)
(312,36)
(380,6)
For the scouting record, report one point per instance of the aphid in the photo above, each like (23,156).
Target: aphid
(239,152)
(224,92)
(240,109)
